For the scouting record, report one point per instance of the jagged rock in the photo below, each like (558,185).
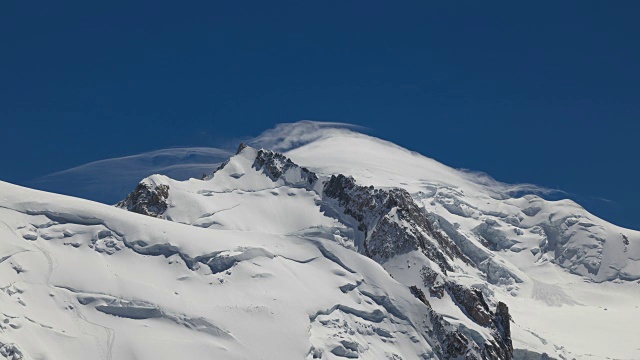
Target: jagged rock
(451,342)
(10,352)
(471,302)
(433,282)
(275,165)
(147,199)
(502,320)
(375,211)
(524,354)
(392,223)
(388,222)
(419,294)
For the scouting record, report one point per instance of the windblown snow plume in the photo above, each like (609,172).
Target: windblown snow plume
(313,242)
(107,181)
(292,135)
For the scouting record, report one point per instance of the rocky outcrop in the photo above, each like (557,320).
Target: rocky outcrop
(147,199)
(276,165)
(524,354)
(10,351)
(419,294)
(452,343)
(451,340)
(391,222)
(433,282)
(472,302)
(502,320)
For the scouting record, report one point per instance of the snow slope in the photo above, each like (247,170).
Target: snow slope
(561,231)
(263,192)
(82,280)
(343,246)
(575,264)
(556,266)
(88,181)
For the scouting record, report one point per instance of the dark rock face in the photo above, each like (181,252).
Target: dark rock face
(10,351)
(147,200)
(502,321)
(452,343)
(419,294)
(471,302)
(523,354)
(378,213)
(275,165)
(391,222)
(433,282)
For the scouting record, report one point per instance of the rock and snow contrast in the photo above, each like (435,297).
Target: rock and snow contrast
(329,245)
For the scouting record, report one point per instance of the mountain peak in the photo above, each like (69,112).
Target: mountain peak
(241,147)
(367,250)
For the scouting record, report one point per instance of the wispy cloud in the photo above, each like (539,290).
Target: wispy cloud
(288,136)
(485,179)
(110,180)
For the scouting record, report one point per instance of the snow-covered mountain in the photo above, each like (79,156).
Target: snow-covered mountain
(335,245)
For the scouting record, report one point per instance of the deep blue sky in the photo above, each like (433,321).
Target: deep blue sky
(545,92)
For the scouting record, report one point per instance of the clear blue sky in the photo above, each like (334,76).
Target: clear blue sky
(543,92)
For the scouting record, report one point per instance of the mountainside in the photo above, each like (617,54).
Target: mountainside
(338,246)
(82,278)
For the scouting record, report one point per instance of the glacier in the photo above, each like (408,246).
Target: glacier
(315,241)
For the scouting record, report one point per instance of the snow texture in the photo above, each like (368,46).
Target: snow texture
(336,245)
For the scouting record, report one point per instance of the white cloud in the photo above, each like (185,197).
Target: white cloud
(110,180)
(485,179)
(287,136)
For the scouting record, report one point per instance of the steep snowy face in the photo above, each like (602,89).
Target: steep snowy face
(521,245)
(84,280)
(474,211)
(379,223)
(390,222)
(343,246)
(461,244)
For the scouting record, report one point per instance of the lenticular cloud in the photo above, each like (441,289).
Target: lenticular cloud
(109,180)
